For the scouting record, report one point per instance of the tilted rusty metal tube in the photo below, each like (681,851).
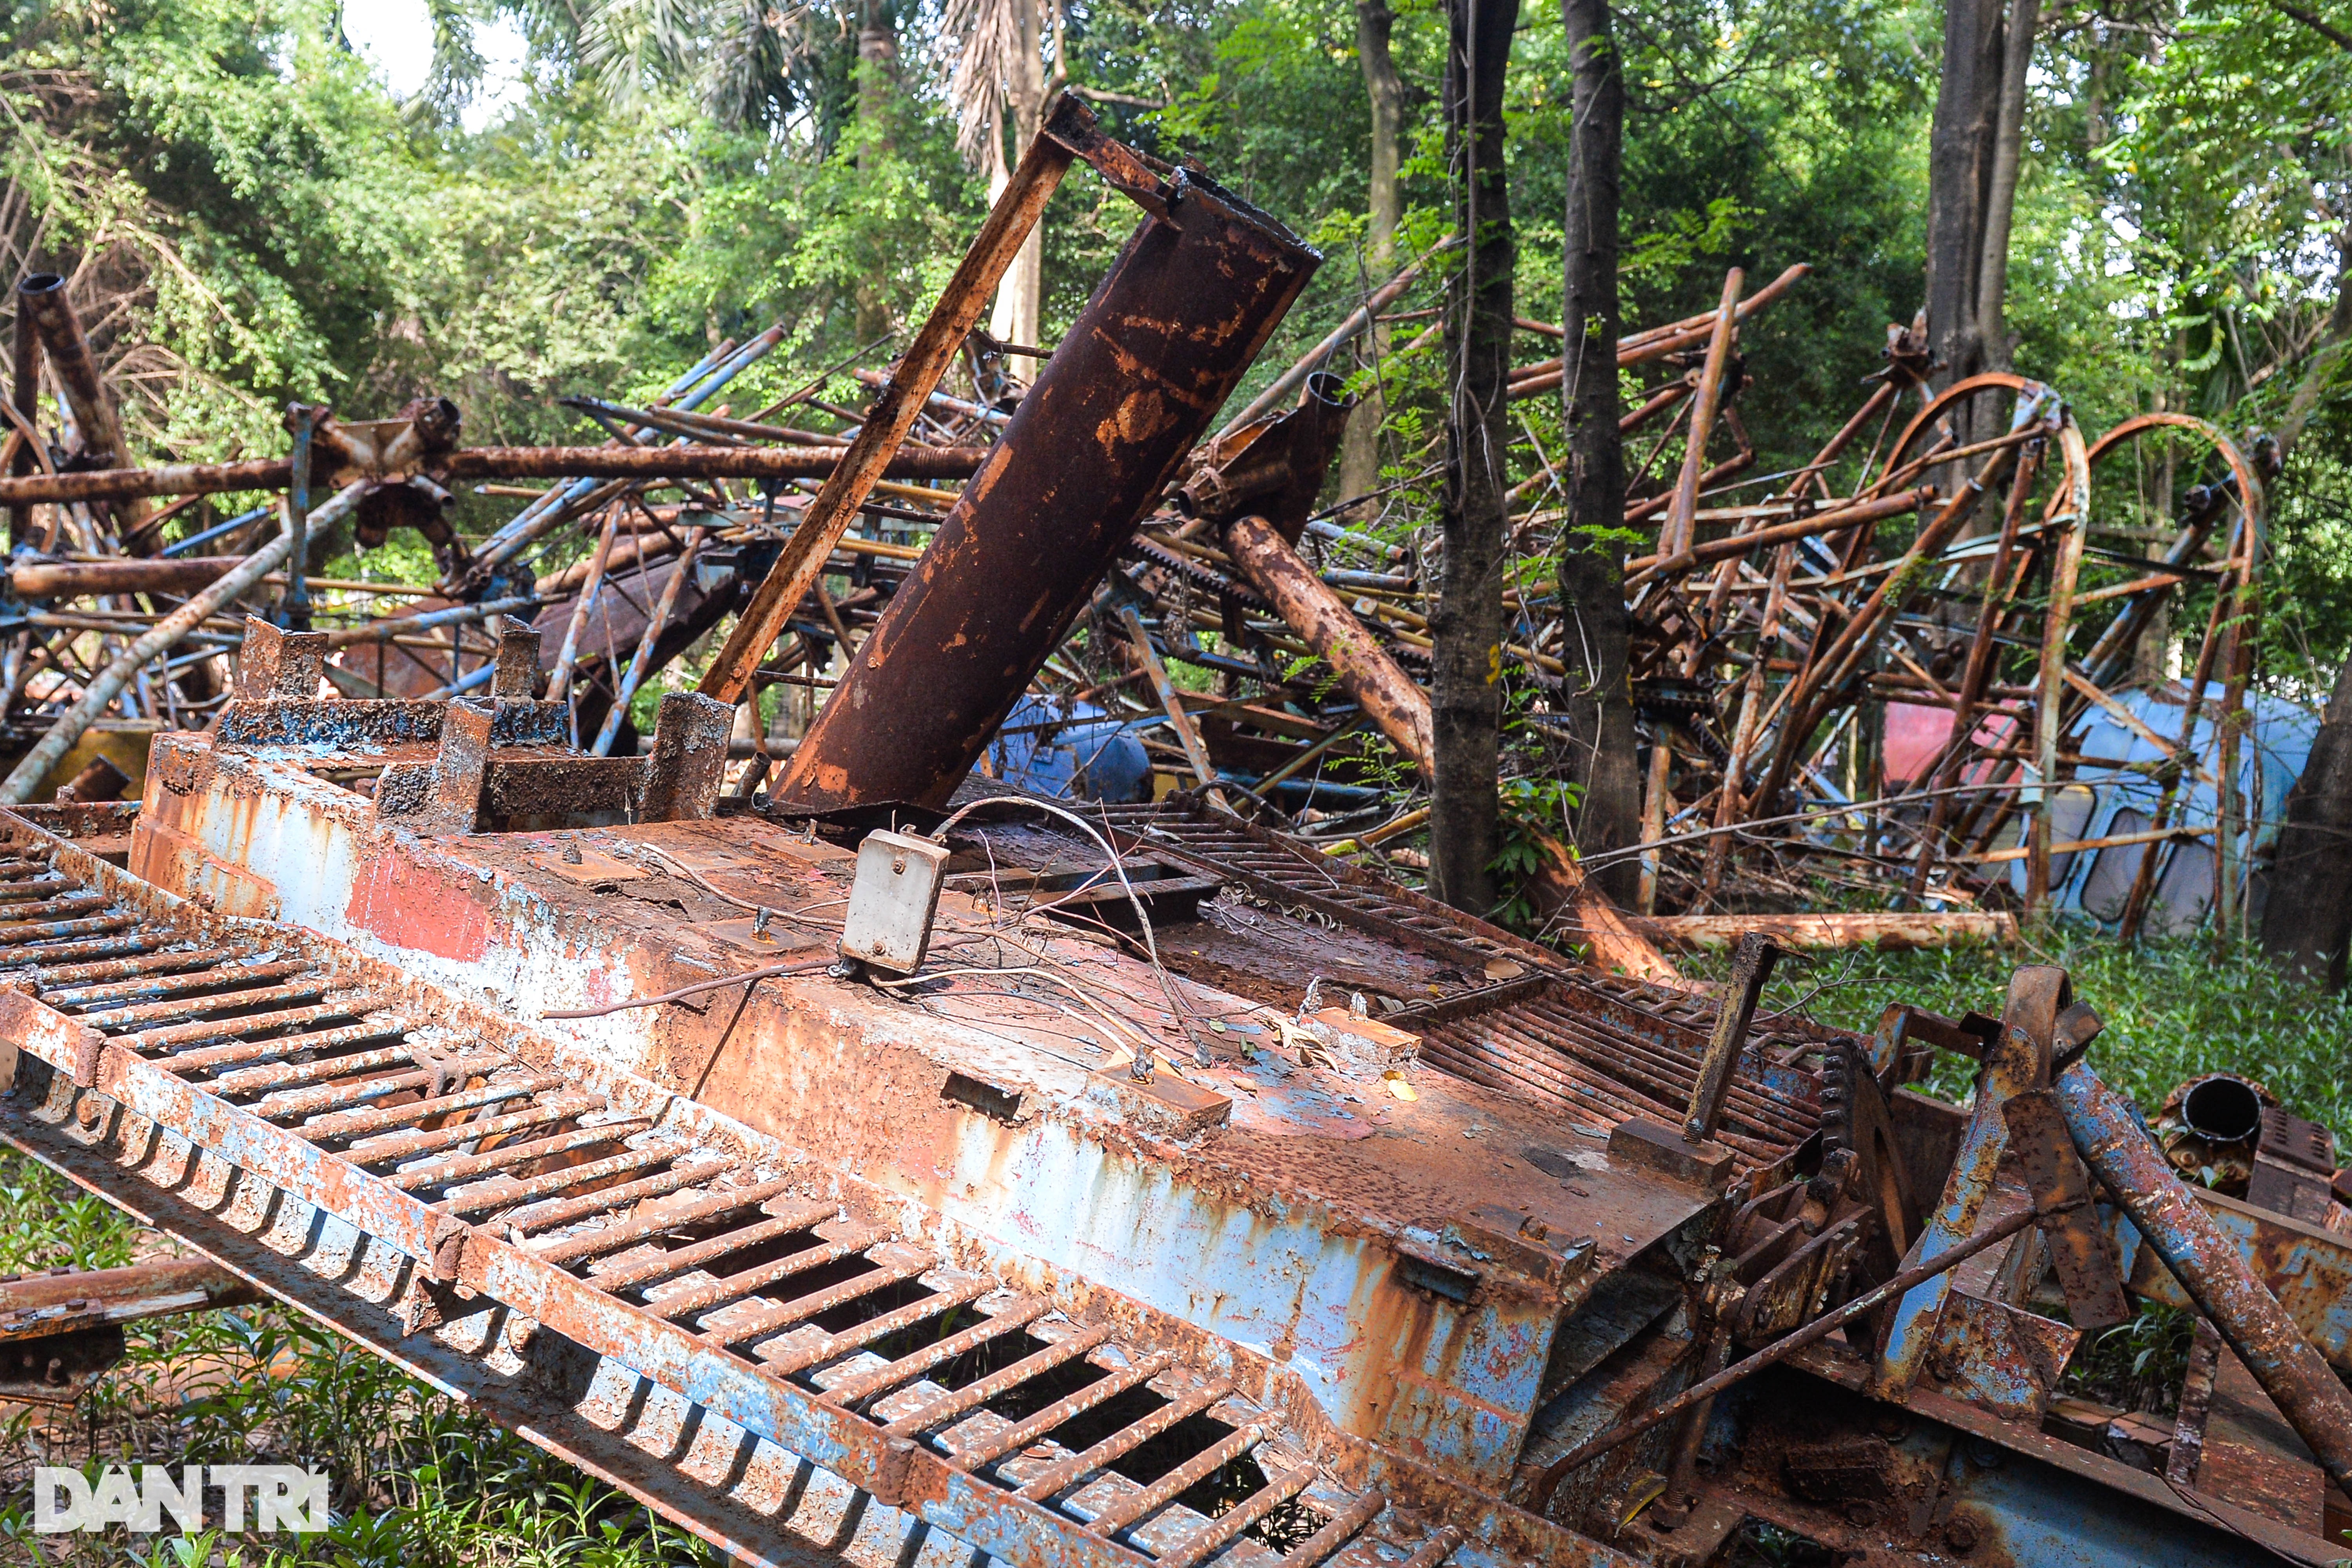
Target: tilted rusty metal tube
(1364,670)
(2210,1267)
(41,297)
(1135,381)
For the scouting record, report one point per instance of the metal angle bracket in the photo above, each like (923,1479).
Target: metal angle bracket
(1158,188)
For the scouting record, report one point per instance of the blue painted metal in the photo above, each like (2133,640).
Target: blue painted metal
(217,530)
(690,391)
(2014,1062)
(2099,800)
(1081,755)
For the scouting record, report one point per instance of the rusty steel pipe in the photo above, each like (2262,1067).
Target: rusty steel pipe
(166,480)
(1323,621)
(496,463)
(65,579)
(35,1306)
(1133,385)
(2210,1267)
(696,462)
(41,297)
(1642,569)
(25,398)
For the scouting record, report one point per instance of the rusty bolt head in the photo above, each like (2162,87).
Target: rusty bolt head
(1961,1536)
(1862,1512)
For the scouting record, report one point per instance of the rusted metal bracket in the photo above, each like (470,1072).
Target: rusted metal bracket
(1154,186)
(2079,1251)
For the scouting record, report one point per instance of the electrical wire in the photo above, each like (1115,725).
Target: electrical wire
(1200,1054)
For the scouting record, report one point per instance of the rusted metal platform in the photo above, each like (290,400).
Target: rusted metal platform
(824,1268)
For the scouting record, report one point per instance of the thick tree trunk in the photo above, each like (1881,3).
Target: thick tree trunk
(1962,153)
(1359,453)
(1467,629)
(2001,192)
(1592,559)
(2307,920)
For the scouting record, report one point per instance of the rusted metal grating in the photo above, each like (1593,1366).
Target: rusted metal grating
(1591,1054)
(1601,1046)
(630,1282)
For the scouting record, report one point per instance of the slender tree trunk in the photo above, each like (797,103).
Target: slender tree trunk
(878,80)
(1467,629)
(1360,453)
(1020,299)
(2325,359)
(2000,193)
(2307,921)
(1592,559)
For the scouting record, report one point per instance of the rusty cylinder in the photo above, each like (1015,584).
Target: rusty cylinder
(1364,670)
(41,299)
(2210,1267)
(1133,385)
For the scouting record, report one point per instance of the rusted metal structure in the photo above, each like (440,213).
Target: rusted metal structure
(1139,374)
(1200,1198)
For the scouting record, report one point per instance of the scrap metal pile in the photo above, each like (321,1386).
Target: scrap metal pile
(893,1165)
(1928,662)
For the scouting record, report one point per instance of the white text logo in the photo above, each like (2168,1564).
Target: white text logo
(282,1497)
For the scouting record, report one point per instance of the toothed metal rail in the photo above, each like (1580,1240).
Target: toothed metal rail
(659,1296)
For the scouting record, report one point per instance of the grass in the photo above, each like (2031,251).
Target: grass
(2174,1007)
(421,1483)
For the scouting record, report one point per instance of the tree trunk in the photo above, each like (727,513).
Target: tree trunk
(1592,559)
(1020,299)
(1467,629)
(1961,156)
(877,80)
(2307,920)
(2000,195)
(1360,453)
(2324,360)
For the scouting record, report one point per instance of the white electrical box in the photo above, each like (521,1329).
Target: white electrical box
(893,900)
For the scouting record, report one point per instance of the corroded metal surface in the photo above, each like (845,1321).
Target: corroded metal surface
(1134,382)
(1362,668)
(64,1300)
(541,1269)
(2208,1264)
